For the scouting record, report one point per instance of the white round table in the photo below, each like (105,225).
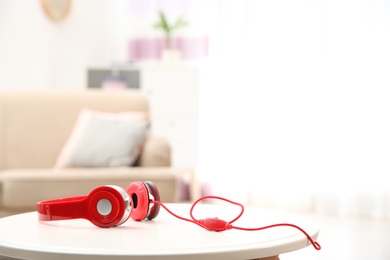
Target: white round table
(166,237)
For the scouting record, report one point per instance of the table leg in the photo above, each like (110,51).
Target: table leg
(268,258)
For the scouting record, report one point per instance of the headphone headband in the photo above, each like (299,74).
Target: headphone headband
(63,208)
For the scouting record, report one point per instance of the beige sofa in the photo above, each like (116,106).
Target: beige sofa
(34,127)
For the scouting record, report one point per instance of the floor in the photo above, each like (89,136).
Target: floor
(344,239)
(347,239)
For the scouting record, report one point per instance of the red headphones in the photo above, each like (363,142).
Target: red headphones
(105,206)
(109,206)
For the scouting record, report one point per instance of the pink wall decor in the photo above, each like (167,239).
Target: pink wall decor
(151,48)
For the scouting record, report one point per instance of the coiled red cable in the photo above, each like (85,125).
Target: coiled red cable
(215,224)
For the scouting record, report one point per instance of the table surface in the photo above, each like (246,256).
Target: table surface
(166,237)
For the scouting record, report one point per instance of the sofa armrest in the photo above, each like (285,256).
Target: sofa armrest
(155,153)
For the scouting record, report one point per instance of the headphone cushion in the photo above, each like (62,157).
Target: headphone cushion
(156,194)
(140,197)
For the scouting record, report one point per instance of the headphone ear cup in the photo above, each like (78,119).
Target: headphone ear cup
(140,197)
(156,194)
(109,206)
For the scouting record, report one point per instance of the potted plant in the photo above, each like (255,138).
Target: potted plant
(169,53)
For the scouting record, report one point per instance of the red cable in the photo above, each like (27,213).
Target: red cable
(215,224)
(219,198)
(315,244)
(173,214)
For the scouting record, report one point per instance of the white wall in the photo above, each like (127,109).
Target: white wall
(23,45)
(37,53)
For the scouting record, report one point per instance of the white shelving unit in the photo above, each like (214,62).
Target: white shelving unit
(173,93)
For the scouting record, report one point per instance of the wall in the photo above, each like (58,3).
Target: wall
(37,53)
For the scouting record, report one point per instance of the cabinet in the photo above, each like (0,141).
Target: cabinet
(173,94)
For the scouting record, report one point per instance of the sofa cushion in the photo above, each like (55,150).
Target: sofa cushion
(156,152)
(20,186)
(103,139)
(35,125)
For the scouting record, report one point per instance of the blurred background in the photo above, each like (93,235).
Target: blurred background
(292,97)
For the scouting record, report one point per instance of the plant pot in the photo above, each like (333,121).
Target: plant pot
(171,56)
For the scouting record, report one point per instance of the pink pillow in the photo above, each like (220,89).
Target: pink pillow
(101,139)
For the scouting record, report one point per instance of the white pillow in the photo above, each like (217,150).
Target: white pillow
(104,140)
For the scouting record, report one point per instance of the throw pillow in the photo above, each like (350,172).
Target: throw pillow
(104,140)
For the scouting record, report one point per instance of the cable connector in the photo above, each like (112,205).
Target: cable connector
(215,224)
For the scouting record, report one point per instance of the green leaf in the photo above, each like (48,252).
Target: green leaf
(179,23)
(163,23)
